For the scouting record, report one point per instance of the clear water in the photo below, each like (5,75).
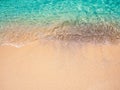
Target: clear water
(46,11)
(50,12)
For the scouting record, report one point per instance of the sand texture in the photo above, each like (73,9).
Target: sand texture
(52,67)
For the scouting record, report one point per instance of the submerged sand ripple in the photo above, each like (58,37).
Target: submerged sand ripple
(66,32)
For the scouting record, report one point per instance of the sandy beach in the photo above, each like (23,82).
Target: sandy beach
(47,67)
(59,44)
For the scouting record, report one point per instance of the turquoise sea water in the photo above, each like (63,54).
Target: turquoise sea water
(49,12)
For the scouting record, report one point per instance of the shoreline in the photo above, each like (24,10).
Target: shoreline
(64,32)
(60,57)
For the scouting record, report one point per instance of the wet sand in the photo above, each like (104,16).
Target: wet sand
(47,67)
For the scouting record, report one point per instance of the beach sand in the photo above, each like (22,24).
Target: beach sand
(51,67)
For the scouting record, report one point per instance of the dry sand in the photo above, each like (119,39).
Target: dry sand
(47,67)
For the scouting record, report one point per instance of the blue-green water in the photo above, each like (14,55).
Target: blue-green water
(47,11)
(85,18)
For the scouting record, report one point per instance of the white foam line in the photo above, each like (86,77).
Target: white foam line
(13,45)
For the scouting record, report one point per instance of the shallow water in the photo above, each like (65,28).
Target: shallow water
(39,11)
(57,15)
